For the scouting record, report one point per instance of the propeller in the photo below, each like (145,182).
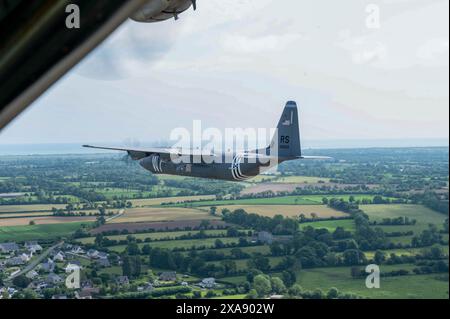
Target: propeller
(194,4)
(127,159)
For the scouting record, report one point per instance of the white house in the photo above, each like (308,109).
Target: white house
(32,274)
(59,256)
(77,250)
(33,247)
(26,257)
(92,253)
(208,283)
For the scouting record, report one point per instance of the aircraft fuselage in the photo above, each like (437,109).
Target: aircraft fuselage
(231,168)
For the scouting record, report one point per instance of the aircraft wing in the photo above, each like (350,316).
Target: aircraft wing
(140,153)
(316,157)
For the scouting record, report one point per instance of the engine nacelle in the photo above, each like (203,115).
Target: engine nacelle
(161,10)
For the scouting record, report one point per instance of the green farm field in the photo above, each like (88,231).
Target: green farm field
(187,244)
(38,232)
(242,264)
(404,251)
(24,214)
(29,208)
(301,180)
(331,225)
(176,199)
(259,249)
(283,200)
(158,214)
(424,216)
(294,211)
(402,287)
(156,235)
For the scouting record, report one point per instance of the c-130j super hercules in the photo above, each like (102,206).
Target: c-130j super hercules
(237,166)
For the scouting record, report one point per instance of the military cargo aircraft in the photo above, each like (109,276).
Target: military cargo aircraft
(234,166)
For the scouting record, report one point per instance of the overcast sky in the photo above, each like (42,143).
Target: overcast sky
(235,63)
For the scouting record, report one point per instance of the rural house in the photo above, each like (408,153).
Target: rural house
(103,263)
(208,283)
(48,266)
(8,247)
(77,250)
(265,237)
(92,253)
(32,274)
(123,280)
(54,279)
(168,276)
(33,247)
(15,261)
(59,256)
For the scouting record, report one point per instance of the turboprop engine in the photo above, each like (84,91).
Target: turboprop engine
(161,10)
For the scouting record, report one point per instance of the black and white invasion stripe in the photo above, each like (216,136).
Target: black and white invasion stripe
(236,168)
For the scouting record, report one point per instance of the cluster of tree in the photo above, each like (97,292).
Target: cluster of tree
(400,233)
(131,266)
(204,225)
(399,221)
(342,205)
(317,248)
(104,241)
(304,219)
(367,237)
(408,169)
(428,267)
(157,293)
(263,285)
(433,201)
(434,252)
(204,187)
(428,237)
(395,259)
(277,225)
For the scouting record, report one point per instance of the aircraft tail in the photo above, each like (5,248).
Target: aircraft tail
(286,141)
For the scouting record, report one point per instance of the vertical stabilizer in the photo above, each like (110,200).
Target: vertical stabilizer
(286,141)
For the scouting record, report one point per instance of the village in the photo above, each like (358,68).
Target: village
(45,272)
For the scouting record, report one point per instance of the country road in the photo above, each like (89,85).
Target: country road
(35,262)
(121,212)
(44,255)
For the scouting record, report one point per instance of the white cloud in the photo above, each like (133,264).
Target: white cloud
(235,62)
(436,50)
(243,44)
(363,50)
